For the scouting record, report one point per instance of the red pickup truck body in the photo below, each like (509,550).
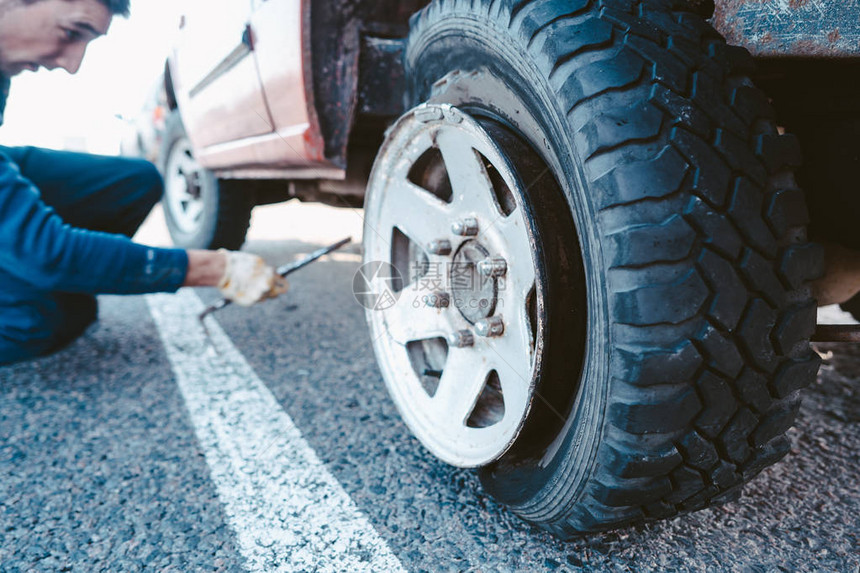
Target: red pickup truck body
(276,89)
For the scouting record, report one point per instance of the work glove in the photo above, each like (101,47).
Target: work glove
(248,279)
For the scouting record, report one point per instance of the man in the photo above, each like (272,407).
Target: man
(66,218)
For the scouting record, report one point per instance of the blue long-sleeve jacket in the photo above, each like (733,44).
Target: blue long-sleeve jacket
(39,248)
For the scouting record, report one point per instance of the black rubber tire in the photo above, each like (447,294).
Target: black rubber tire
(852,307)
(831,143)
(227,209)
(692,232)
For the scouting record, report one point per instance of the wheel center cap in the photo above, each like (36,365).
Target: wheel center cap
(475,294)
(192,183)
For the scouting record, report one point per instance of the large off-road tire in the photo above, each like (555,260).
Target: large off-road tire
(201,212)
(691,231)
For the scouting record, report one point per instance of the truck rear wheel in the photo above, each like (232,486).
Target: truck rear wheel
(671,314)
(201,212)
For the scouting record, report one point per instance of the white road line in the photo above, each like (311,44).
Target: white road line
(289,513)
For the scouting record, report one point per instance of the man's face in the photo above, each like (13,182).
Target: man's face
(49,33)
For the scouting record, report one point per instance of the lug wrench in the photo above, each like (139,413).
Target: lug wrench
(283,271)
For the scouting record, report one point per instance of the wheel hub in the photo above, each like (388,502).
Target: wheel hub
(447,206)
(192,183)
(475,294)
(182,187)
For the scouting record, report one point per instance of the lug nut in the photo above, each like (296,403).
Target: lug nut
(490,327)
(494,267)
(439,300)
(461,339)
(467,227)
(440,247)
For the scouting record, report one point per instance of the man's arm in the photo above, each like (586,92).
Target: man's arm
(37,246)
(205,268)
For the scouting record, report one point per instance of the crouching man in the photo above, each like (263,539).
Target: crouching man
(66,218)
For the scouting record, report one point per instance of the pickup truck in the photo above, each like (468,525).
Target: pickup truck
(587,256)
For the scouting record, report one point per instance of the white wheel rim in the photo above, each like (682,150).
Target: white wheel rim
(183,178)
(441,419)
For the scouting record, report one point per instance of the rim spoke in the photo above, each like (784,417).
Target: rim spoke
(406,323)
(175,191)
(520,276)
(462,380)
(515,388)
(512,358)
(512,351)
(194,210)
(472,187)
(181,191)
(186,162)
(418,213)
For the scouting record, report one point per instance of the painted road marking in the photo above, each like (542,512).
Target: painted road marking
(288,511)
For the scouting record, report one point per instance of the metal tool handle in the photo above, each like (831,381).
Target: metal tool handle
(283,271)
(312,258)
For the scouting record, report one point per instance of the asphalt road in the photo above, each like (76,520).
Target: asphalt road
(129,451)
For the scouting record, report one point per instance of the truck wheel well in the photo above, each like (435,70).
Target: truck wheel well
(168,88)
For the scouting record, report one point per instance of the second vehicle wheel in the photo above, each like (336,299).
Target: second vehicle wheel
(201,211)
(599,286)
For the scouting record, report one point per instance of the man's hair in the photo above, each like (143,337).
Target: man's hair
(116,7)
